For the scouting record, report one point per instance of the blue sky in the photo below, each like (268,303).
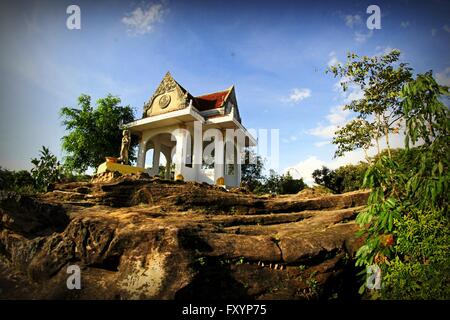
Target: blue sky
(275,53)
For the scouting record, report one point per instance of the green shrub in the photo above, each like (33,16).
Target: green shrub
(352,176)
(344,179)
(422,268)
(46,170)
(407,222)
(20,181)
(279,184)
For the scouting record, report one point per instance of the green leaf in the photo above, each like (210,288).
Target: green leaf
(362,289)
(391,203)
(441,168)
(390,222)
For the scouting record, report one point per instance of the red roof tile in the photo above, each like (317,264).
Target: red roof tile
(211,101)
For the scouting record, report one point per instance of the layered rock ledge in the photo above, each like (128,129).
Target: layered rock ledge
(140,238)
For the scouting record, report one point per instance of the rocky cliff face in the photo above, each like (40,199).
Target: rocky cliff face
(141,238)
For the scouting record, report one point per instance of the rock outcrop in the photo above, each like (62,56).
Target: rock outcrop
(141,238)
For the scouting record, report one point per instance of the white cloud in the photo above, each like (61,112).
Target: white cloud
(323,131)
(443,78)
(142,21)
(290,139)
(338,115)
(433,32)
(353,92)
(446,28)
(321,143)
(361,37)
(379,50)
(337,86)
(352,20)
(305,168)
(356,22)
(298,94)
(333,60)
(336,118)
(405,24)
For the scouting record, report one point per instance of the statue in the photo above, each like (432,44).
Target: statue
(126,140)
(113,164)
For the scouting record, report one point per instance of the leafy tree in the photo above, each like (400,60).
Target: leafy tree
(6,179)
(94,133)
(289,185)
(328,178)
(23,178)
(344,179)
(46,170)
(69,176)
(407,223)
(352,176)
(20,181)
(356,134)
(252,170)
(378,113)
(270,183)
(280,184)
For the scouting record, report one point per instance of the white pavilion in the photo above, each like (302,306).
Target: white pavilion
(201,138)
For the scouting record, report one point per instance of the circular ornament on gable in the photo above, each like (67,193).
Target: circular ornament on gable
(164,101)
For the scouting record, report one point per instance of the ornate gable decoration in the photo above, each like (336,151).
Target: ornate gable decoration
(167,85)
(232,104)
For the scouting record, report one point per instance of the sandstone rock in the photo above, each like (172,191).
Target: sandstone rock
(105,177)
(29,216)
(140,238)
(315,192)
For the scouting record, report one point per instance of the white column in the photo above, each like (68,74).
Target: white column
(156,154)
(237,165)
(141,154)
(197,158)
(180,152)
(219,159)
(166,151)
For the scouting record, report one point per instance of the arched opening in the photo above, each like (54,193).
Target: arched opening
(158,156)
(161,163)
(232,166)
